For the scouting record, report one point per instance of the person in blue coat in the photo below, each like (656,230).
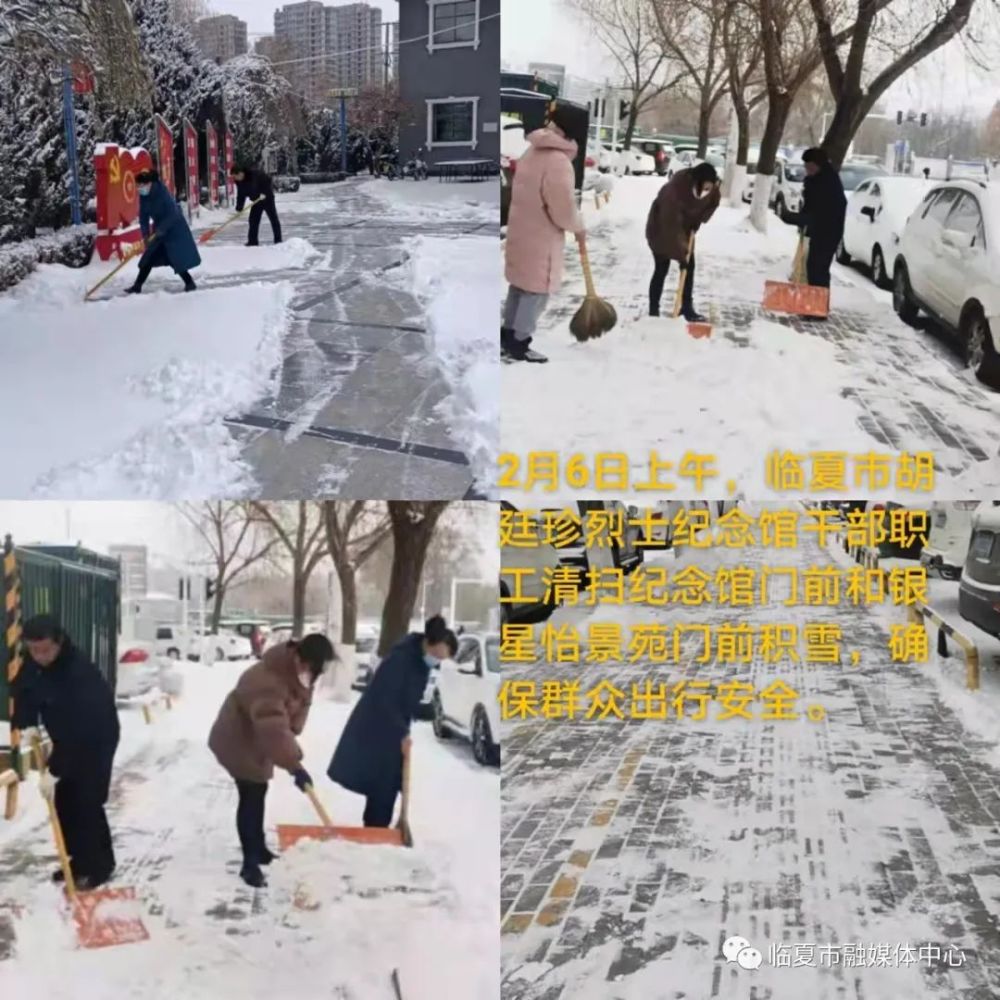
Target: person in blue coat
(369,757)
(172,244)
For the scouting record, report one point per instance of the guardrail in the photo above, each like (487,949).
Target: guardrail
(920,612)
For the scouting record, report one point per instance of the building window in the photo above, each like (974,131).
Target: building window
(453,24)
(452,121)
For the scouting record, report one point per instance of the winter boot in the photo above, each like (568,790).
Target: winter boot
(189,285)
(93,881)
(520,350)
(252,875)
(693,317)
(506,341)
(267,856)
(133,289)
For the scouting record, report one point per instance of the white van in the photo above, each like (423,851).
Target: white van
(947,545)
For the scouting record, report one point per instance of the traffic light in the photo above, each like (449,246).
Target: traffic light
(624,110)
(209,590)
(184,588)
(899,117)
(923,119)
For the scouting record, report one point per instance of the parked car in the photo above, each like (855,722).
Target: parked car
(947,546)
(786,187)
(660,150)
(254,629)
(536,558)
(177,643)
(466,696)
(513,145)
(877,210)
(948,265)
(366,650)
(284,183)
(853,173)
(138,670)
(616,160)
(979,587)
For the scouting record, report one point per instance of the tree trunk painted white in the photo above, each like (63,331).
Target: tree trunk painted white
(758,207)
(342,673)
(739,183)
(729,174)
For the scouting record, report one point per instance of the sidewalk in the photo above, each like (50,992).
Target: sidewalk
(632,850)
(860,381)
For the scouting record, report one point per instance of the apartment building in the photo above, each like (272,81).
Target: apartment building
(222,37)
(449,58)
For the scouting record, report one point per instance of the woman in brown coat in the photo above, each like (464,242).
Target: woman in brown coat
(256,729)
(689,199)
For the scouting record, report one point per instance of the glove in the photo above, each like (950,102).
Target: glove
(301,778)
(47,785)
(29,735)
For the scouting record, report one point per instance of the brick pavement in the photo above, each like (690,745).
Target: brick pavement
(631,849)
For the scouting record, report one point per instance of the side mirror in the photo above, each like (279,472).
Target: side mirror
(869,210)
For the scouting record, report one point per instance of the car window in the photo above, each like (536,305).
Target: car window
(863,188)
(467,649)
(777,171)
(164,633)
(966,217)
(983,564)
(493,655)
(795,172)
(938,209)
(875,191)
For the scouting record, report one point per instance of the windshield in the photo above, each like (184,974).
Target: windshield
(493,655)
(366,645)
(795,172)
(851,177)
(983,564)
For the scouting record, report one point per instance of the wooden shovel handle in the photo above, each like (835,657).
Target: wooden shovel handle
(682,282)
(404,809)
(588,278)
(57,834)
(318,806)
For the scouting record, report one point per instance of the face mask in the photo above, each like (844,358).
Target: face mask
(144,190)
(431,661)
(699,194)
(306,679)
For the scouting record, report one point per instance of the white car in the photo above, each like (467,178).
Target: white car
(513,144)
(175,643)
(365,656)
(950,533)
(138,670)
(786,187)
(877,211)
(536,559)
(466,697)
(948,265)
(622,162)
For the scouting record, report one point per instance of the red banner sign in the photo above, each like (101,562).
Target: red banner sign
(191,165)
(83,79)
(165,154)
(213,165)
(230,162)
(117,196)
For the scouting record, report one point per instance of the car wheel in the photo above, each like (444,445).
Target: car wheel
(173,653)
(843,257)
(779,206)
(220,654)
(902,296)
(979,351)
(879,275)
(441,730)
(483,747)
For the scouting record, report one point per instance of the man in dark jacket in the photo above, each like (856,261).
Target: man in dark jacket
(171,243)
(369,757)
(60,686)
(687,201)
(255,184)
(821,216)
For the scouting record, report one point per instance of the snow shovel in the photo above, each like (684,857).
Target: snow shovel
(595,317)
(697,330)
(209,233)
(101,915)
(796,297)
(400,835)
(130,254)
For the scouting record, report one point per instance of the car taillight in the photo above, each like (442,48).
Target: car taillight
(590,162)
(660,156)
(134,656)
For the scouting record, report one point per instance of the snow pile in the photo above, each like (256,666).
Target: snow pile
(72,246)
(458,281)
(142,385)
(414,201)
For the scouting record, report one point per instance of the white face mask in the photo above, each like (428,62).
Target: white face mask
(700,193)
(306,679)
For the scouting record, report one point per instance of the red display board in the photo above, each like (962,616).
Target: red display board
(213,165)
(191,169)
(165,155)
(118,196)
(230,162)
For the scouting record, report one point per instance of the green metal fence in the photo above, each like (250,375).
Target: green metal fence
(78,587)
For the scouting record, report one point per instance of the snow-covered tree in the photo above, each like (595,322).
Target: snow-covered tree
(43,27)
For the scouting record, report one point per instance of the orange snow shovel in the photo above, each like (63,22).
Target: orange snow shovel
(796,297)
(209,233)
(102,916)
(696,330)
(400,835)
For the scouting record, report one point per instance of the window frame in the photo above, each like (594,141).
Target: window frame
(433,46)
(472,143)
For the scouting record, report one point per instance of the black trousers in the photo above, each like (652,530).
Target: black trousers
(267,205)
(379,809)
(662,268)
(185,276)
(818,261)
(250,820)
(80,807)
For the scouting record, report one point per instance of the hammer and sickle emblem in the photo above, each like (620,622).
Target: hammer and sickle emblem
(114,168)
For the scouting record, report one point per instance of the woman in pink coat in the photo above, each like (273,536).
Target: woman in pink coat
(542,210)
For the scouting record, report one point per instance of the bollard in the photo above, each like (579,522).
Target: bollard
(10,782)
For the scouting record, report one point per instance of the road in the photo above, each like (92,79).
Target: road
(631,850)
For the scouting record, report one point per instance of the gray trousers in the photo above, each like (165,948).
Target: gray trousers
(522,310)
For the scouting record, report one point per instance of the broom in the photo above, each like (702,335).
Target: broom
(596,316)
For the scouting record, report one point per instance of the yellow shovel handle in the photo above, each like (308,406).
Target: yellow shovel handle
(682,281)
(129,256)
(404,809)
(57,834)
(318,806)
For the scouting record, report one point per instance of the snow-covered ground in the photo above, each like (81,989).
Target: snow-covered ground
(458,279)
(126,396)
(861,382)
(429,911)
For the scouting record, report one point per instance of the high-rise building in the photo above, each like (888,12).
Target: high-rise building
(134,561)
(340,47)
(221,37)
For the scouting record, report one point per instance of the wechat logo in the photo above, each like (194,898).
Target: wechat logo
(739,950)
